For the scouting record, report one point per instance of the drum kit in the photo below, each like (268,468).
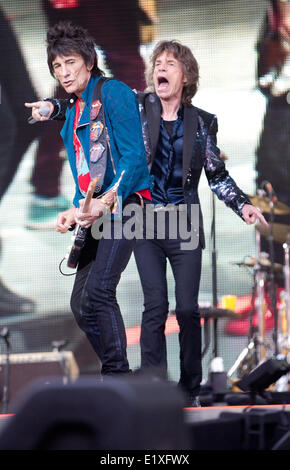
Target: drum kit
(266,272)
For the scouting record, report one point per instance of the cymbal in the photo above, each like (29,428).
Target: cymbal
(280,231)
(209,312)
(263,262)
(215,312)
(264,204)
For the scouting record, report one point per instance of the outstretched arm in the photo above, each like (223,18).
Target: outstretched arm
(251,214)
(223,185)
(58,109)
(36,110)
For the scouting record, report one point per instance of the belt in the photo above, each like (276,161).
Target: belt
(170,207)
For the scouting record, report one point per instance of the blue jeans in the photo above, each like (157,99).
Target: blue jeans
(93,299)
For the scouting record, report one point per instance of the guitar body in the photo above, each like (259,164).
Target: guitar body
(80,233)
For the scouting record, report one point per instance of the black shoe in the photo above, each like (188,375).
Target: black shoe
(12,303)
(153,374)
(191,399)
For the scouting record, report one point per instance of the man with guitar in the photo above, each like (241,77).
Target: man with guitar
(103,137)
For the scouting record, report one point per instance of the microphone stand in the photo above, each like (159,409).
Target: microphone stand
(286,247)
(214,273)
(57,346)
(4,333)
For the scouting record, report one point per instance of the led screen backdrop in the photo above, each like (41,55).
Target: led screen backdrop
(35,180)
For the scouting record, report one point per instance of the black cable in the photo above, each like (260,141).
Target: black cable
(64,274)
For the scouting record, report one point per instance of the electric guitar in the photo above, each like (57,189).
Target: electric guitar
(80,233)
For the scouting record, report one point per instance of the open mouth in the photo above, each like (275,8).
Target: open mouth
(162,83)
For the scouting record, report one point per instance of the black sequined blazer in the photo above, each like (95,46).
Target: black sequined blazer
(199,151)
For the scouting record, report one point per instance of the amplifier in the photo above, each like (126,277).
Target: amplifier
(28,367)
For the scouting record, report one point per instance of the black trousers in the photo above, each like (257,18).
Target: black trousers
(151,259)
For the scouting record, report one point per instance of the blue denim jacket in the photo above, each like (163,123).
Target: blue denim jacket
(125,134)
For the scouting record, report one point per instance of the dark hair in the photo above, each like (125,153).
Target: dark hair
(189,65)
(65,38)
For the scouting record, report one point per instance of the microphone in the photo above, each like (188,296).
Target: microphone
(44,110)
(270,191)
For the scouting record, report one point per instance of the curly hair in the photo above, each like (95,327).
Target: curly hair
(65,38)
(189,65)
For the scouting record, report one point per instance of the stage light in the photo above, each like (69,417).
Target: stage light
(264,375)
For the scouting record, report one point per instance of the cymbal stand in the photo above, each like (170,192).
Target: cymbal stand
(284,324)
(259,276)
(248,357)
(4,334)
(286,246)
(258,334)
(284,319)
(260,307)
(272,277)
(255,351)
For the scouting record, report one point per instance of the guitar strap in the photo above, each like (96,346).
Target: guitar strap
(98,136)
(144,123)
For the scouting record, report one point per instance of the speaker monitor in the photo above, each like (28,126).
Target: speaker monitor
(264,375)
(25,368)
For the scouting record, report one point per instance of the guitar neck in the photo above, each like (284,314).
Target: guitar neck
(89,195)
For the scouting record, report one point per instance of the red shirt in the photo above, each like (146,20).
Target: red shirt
(145,193)
(83,170)
(81,163)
